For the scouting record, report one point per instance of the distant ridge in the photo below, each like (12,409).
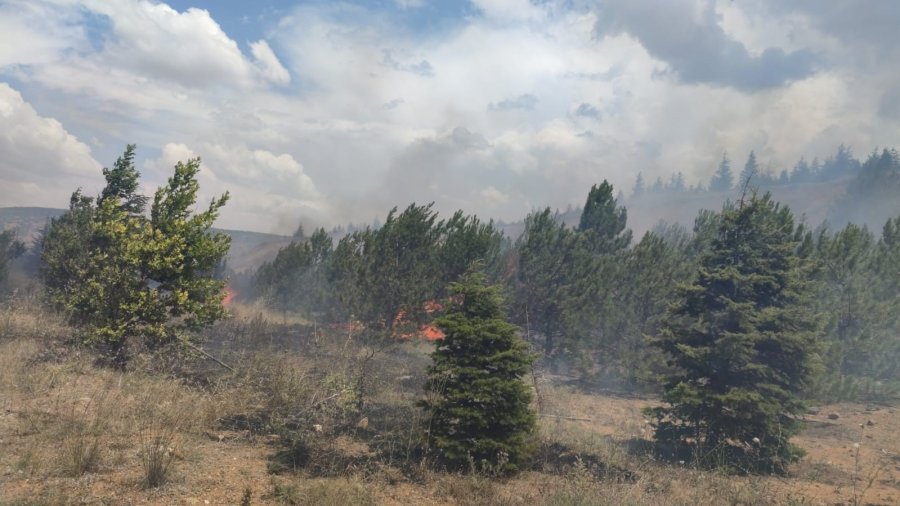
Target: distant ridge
(248,249)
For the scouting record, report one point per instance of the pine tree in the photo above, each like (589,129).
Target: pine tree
(722,180)
(639,189)
(750,172)
(603,221)
(547,251)
(743,344)
(119,274)
(481,411)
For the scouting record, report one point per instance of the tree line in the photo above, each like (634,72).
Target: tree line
(590,297)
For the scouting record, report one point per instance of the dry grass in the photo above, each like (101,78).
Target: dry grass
(188,431)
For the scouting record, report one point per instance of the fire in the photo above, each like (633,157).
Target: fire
(431,333)
(426,331)
(230,294)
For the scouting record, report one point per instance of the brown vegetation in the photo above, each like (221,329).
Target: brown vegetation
(308,416)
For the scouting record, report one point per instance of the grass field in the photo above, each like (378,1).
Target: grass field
(319,418)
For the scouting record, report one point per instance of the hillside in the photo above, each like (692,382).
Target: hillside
(248,249)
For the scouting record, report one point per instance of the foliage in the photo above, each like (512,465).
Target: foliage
(603,222)
(10,249)
(872,196)
(298,276)
(722,180)
(743,343)
(481,412)
(379,274)
(750,173)
(546,254)
(856,288)
(118,273)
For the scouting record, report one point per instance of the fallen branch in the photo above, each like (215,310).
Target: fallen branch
(207,355)
(572,418)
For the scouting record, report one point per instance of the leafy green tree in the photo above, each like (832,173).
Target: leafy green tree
(651,272)
(481,406)
(10,249)
(742,342)
(887,266)
(381,273)
(120,274)
(296,280)
(603,222)
(464,240)
(546,253)
(845,294)
(722,180)
(122,183)
(592,301)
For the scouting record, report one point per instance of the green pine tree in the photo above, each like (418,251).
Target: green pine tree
(547,252)
(481,407)
(722,180)
(603,221)
(743,344)
(119,274)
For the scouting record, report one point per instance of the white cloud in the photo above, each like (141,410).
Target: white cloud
(357,112)
(40,161)
(268,190)
(35,33)
(188,48)
(272,69)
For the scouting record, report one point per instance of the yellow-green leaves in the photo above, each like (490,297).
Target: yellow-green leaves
(119,274)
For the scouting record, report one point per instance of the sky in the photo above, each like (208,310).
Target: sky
(329,112)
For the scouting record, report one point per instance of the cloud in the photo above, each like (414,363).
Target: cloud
(586,110)
(393,104)
(40,161)
(272,69)
(696,48)
(524,102)
(263,185)
(339,111)
(422,68)
(188,48)
(28,24)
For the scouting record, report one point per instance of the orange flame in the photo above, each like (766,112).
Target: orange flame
(230,294)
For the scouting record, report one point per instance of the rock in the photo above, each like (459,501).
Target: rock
(870,423)
(833,416)
(813,410)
